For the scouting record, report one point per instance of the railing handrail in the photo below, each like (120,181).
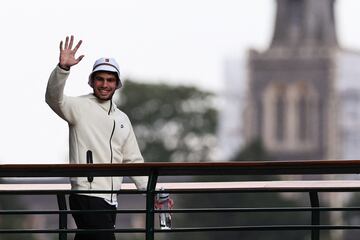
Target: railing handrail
(173,169)
(155,170)
(318,185)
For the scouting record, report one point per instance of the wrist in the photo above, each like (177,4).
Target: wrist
(66,68)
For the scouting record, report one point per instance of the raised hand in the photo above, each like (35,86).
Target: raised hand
(67,54)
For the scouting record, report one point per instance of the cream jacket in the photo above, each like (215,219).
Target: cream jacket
(98,126)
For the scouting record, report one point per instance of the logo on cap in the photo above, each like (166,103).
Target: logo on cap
(107,60)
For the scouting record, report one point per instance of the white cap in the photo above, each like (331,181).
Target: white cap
(107,65)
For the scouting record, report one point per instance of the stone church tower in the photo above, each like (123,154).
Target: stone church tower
(292,91)
(303,93)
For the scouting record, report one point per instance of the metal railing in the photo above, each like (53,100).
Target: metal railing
(154,170)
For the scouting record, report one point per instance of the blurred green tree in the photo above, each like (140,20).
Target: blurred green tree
(172,123)
(178,123)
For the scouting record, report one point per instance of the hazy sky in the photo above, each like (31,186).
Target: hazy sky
(172,41)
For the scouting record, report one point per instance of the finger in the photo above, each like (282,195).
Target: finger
(71,42)
(66,42)
(61,46)
(171,203)
(77,46)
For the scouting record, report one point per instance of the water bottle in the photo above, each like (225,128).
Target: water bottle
(164,217)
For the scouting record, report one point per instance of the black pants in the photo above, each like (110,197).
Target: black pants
(92,220)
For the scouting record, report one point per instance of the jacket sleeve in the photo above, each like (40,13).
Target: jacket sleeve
(62,105)
(132,154)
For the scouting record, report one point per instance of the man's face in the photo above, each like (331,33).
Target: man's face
(104,85)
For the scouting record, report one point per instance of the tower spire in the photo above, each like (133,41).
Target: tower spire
(304,23)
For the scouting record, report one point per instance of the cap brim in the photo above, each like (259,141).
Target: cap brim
(106,68)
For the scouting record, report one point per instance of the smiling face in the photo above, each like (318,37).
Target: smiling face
(104,85)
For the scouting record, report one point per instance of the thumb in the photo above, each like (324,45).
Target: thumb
(80,58)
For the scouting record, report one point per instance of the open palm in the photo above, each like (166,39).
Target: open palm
(67,57)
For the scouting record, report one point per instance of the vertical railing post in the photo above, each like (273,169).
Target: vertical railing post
(150,200)
(62,216)
(315,215)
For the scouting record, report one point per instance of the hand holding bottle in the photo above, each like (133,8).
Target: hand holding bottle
(164,202)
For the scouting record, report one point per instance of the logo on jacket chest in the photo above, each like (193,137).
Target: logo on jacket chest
(120,125)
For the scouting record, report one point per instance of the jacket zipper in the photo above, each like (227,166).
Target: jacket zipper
(111,159)
(110,108)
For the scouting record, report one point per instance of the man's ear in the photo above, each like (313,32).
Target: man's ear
(91,82)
